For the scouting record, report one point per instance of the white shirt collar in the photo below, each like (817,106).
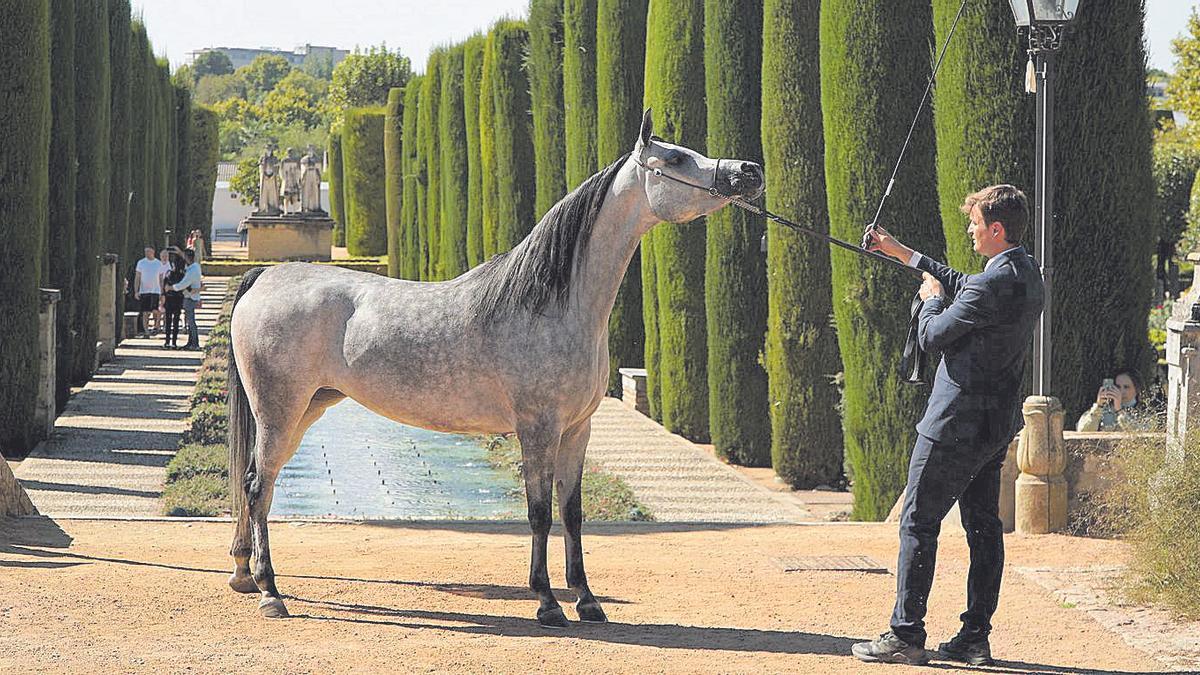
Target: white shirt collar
(991,261)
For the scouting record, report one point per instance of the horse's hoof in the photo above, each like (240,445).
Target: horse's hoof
(272,608)
(591,613)
(242,583)
(552,618)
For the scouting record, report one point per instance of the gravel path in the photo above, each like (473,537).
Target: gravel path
(110,446)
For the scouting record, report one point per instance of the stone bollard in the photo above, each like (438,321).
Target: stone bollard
(47,352)
(106,336)
(1041,490)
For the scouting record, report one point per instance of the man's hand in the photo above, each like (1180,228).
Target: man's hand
(930,287)
(879,241)
(137,296)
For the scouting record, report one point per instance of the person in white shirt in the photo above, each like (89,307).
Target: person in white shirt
(146,289)
(190,285)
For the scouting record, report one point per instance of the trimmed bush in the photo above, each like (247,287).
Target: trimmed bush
(801,356)
(579,89)
(452,144)
(487,148)
(620,67)
(119,36)
(674,80)
(198,460)
(139,147)
(431,159)
(205,152)
(872,51)
(472,74)
(58,253)
(393,153)
(363,173)
(337,192)
(24,190)
(545,72)
(411,205)
(208,424)
(184,161)
(513,130)
(652,356)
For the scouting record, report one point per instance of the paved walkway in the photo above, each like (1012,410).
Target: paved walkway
(110,446)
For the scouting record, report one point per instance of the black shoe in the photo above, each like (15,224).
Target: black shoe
(890,649)
(970,649)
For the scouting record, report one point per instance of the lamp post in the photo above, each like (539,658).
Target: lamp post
(1045,21)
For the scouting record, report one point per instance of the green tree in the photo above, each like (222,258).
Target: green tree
(427,139)
(363,173)
(674,78)
(513,131)
(472,73)
(365,78)
(801,348)
(58,261)
(262,74)
(487,146)
(212,89)
(872,51)
(93,91)
(1175,166)
(25,90)
(452,144)
(184,158)
(296,99)
(620,67)
(211,63)
(735,278)
(1183,88)
(337,201)
(244,184)
(545,72)
(411,202)
(579,89)
(205,155)
(139,149)
(120,34)
(393,154)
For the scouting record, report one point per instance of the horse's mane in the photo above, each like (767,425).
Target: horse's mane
(537,271)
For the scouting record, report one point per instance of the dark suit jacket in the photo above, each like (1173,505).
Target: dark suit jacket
(983,329)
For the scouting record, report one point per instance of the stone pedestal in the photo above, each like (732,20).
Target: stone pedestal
(1183,372)
(47,352)
(106,335)
(290,236)
(633,389)
(1041,489)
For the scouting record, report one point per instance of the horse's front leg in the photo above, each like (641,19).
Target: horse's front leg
(539,444)
(568,477)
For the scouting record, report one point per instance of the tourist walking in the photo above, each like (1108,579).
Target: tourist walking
(982,324)
(190,285)
(173,299)
(147,286)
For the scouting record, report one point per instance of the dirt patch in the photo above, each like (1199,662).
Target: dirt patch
(105,596)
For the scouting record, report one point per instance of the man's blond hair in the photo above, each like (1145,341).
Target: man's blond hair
(1004,204)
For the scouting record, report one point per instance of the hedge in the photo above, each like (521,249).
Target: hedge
(545,68)
(431,161)
(119,35)
(205,152)
(58,253)
(185,159)
(393,154)
(139,147)
(24,191)
(472,74)
(337,192)
(513,131)
(801,353)
(872,51)
(411,205)
(487,148)
(735,277)
(579,89)
(363,173)
(452,145)
(674,78)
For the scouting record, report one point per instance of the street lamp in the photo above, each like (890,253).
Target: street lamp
(1045,21)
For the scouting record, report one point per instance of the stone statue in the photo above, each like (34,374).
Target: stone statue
(310,179)
(268,184)
(291,181)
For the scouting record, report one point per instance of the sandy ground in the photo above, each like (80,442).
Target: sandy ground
(118,596)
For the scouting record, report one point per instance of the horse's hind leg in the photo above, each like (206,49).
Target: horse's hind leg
(539,444)
(568,476)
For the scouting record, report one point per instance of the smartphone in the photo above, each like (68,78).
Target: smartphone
(1109,382)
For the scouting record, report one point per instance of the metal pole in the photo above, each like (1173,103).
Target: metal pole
(1044,215)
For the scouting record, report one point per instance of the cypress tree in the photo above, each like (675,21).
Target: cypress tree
(205,153)
(472,73)
(674,80)
(119,118)
(620,66)
(1103,238)
(874,59)
(801,347)
(513,136)
(545,72)
(650,327)
(337,192)
(735,278)
(93,104)
(59,255)
(166,113)
(487,148)
(579,89)
(363,172)
(139,150)
(411,203)
(393,153)
(184,158)
(452,144)
(982,115)
(24,191)
(427,136)
(154,195)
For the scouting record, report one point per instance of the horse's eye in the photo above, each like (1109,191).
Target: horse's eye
(673,157)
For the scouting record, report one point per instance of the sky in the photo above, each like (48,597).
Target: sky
(177,28)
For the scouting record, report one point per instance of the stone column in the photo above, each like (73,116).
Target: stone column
(1041,490)
(1183,371)
(106,336)
(47,351)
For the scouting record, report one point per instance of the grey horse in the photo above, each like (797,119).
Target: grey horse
(518,344)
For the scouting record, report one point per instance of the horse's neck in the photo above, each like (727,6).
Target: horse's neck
(623,219)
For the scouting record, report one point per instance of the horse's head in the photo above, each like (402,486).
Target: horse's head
(680,182)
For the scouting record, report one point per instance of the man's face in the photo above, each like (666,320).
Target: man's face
(1128,389)
(986,239)
(149,253)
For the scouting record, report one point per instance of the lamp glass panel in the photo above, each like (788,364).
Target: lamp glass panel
(1020,10)
(1054,11)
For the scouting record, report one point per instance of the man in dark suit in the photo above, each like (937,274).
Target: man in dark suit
(982,324)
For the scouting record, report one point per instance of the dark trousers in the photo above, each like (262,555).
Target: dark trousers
(174,307)
(189,310)
(938,475)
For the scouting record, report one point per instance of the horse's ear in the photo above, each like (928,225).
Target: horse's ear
(647,127)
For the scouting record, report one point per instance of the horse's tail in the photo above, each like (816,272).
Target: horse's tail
(241,419)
